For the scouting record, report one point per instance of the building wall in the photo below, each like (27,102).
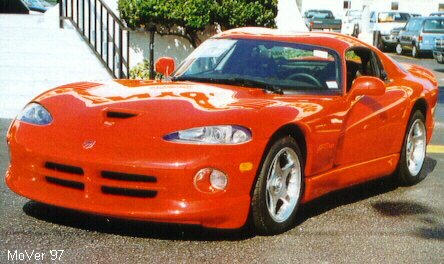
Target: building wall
(175,47)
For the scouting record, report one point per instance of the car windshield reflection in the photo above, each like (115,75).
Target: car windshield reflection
(270,65)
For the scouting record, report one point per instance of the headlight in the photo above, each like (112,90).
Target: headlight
(224,134)
(36,114)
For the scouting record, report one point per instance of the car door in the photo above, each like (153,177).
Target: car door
(371,125)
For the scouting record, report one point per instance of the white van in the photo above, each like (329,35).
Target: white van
(381,25)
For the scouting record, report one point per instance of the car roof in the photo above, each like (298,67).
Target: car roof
(336,41)
(427,18)
(390,11)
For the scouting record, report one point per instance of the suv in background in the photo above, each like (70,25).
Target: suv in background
(382,23)
(419,35)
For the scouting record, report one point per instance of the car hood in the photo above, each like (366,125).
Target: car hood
(166,107)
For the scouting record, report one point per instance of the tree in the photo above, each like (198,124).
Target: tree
(187,17)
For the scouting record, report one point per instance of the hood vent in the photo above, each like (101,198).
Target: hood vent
(118,114)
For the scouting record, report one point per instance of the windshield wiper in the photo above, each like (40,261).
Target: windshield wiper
(254,83)
(233,81)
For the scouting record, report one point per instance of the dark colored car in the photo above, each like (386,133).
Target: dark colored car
(419,35)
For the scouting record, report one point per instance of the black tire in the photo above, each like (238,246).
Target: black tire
(381,45)
(399,49)
(413,151)
(356,30)
(280,179)
(416,53)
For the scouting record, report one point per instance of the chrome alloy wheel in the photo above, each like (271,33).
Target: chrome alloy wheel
(416,147)
(283,185)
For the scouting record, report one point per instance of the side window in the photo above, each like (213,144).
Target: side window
(417,26)
(363,62)
(410,25)
(414,25)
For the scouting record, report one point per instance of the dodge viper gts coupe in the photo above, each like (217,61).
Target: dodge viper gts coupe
(252,124)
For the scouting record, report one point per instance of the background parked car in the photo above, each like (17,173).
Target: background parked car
(322,20)
(439,14)
(382,23)
(419,35)
(351,22)
(438,50)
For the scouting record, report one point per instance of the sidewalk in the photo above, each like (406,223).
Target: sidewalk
(36,55)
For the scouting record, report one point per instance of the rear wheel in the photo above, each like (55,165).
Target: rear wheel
(278,190)
(413,151)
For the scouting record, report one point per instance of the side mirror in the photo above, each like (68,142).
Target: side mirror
(367,85)
(165,66)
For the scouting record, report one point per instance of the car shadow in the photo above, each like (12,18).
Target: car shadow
(423,213)
(186,232)
(358,193)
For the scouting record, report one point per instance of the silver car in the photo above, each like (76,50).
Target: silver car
(419,35)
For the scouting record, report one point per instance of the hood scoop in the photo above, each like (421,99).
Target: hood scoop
(119,114)
(113,114)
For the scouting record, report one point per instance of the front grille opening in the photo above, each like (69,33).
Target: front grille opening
(64,168)
(128,177)
(66,183)
(129,192)
(122,115)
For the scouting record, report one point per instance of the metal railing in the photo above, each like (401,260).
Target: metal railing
(102,30)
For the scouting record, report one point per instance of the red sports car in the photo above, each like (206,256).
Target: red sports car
(253,123)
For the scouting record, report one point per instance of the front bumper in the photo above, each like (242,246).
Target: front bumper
(439,56)
(390,40)
(154,182)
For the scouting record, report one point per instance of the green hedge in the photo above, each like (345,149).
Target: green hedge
(195,15)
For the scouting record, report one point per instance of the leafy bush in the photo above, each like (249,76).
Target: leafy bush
(194,15)
(142,71)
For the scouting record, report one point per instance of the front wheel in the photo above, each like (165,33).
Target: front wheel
(278,190)
(413,151)
(381,45)
(399,49)
(416,53)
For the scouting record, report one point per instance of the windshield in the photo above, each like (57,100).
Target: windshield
(355,13)
(387,17)
(275,66)
(319,14)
